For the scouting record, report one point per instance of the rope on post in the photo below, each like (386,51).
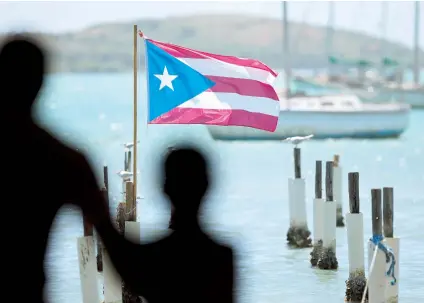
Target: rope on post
(377,240)
(390,256)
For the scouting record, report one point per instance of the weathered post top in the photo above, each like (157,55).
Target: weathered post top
(329,180)
(336,160)
(318,179)
(126,161)
(353,193)
(388,212)
(88,228)
(376,212)
(105,177)
(129,161)
(297,167)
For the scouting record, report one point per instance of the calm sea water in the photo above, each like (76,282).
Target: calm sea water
(248,207)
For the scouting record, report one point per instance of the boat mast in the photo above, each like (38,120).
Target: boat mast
(330,33)
(286,49)
(383,29)
(416,44)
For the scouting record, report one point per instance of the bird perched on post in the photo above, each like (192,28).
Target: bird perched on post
(298,139)
(129,145)
(125,175)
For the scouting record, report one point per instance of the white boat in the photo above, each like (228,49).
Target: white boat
(330,116)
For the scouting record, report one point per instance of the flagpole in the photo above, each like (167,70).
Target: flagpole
(135,66)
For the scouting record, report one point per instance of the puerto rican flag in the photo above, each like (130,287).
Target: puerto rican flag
(242,93)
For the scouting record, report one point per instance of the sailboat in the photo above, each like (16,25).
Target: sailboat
(325,116)
(411,93)
(371,86)
(393,87)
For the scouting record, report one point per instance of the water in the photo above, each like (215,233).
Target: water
(249,206)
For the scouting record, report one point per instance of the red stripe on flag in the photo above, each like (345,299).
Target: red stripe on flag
(222,117)
(183,52)
(245,87)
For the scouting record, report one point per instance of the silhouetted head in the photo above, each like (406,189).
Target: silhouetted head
(186,179)
(22,66)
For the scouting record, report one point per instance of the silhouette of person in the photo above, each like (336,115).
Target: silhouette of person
(187,265)
(171,219)
(42,175)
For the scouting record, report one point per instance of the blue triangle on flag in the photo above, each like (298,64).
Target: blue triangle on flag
(170,81)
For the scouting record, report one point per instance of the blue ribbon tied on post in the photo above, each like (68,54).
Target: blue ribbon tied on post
(377,240)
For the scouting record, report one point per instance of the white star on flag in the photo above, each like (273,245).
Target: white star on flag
(166,79)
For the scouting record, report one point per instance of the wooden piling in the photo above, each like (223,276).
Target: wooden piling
(129,160)
(388,212)
(131,230)
(297,164)
(126,211)
(338,190)
(327,258)
(88,228)
(105,192)
(298,233)
(353,179)
(130,205)
(355,284)
(392,281)
(126,161)
(112,283)
(318,209)
(336,160)
(318,179)
(376,257)
(120,217)
(87,265)
(106,178)
(329,181)
(376,212)
(105,195)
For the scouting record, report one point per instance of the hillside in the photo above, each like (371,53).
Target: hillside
(108,47)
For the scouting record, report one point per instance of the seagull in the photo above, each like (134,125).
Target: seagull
(126,175)
(129,145)
(297,140)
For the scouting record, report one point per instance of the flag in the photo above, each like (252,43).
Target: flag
(187,86)
(171,82)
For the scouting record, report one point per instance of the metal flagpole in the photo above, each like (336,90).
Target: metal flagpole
(135,70)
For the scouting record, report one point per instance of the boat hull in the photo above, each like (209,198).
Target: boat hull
(412,97)
(323,125)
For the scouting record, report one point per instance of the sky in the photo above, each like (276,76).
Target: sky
(61,16)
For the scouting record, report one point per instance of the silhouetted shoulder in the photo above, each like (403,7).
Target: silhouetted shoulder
(227,251)
(226,255)
(74,175)
(65,156)
(223,250)
(225,259)
(224,280)
(83,182)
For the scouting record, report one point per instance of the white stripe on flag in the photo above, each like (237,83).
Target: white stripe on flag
(210,100)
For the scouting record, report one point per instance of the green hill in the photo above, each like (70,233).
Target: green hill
(108,47)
